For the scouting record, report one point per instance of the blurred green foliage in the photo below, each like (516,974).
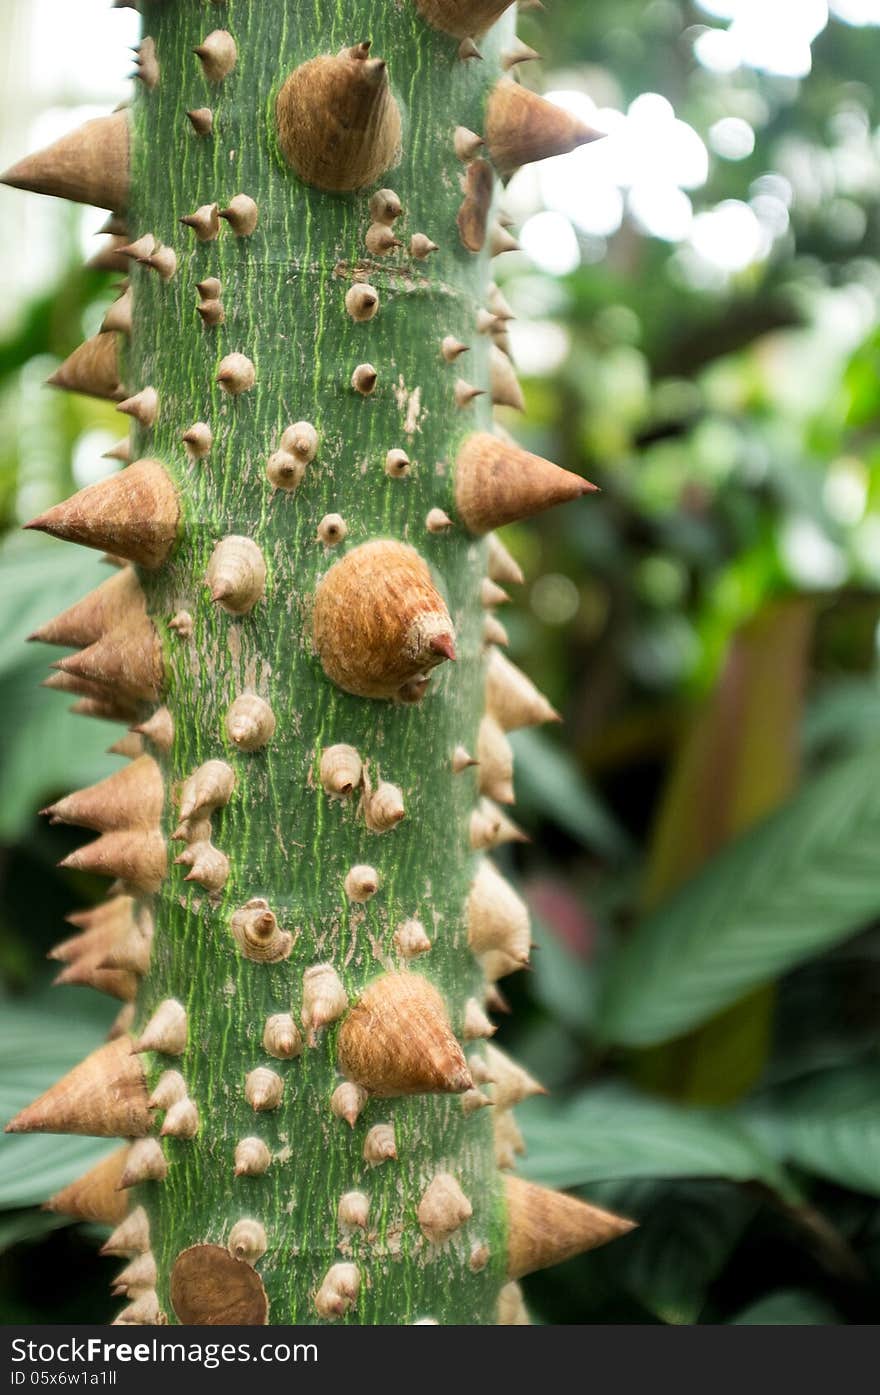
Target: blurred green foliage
(705,1002)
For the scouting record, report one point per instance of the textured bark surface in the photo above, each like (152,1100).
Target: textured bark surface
(306,645)
(283,292)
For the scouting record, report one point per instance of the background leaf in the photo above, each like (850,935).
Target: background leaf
(610,1132)
(828,1124)
(804,879)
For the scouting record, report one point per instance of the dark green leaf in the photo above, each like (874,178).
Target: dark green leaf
(610,1132)
(548,781)
(801,881)
(787,1308)
(828,1123)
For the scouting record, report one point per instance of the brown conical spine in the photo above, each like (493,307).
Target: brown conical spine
(139,1276)
(522,127)
(165,1031)
(443,1209)
(236,574)
(510,1082)
(338,123)
(143,406)
(131,949)
(85,973)
(117,707)
(145,1163)
(92,369)
(462,18)
(131,1236)
(96,1195)
(241,214)
(503,567)
(518,52)
(90,165)
(158,729)
(128,660)
(121,450)
(546,1227)
(497,482)
(339,1291)
(252,1158)
(130,746)
(495,761)
(104,1096)
(117,912)
(181,1120)
(396,1040)
(133,514)
(217,54)
(497,918)
(202,120)
(512,698)
(137,856)
(506,391)
(130,798)
(379,622)
(324,999)
(205,222)
(119,598)
(209,787)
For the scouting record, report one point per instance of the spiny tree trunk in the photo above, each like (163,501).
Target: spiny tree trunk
(305,201)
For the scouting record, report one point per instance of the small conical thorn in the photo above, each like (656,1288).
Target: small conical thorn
(466,142)
(451,348)
(202,120)
(364,379)
(498,304)
(241,214)
(437,521)
(385,206)
(143,406)
(141,248)
(468,49)
(236,374)
(380,240)
(421,246)
(500,240)
(461,759)
(217,54)
(164,261)
(466,392)
(211,312)
(517,53)
(397,464)
(147,70)
(205,222)
(492,594)
(122,451)
(198,439)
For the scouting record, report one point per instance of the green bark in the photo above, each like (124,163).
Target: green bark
(283,294)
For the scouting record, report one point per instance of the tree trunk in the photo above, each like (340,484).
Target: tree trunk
(310,242)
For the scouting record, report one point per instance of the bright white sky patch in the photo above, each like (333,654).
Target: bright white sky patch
(661,210)
(550,240)
(732,138)
(729,236)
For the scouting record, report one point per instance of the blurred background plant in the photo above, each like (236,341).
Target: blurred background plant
(697,302)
